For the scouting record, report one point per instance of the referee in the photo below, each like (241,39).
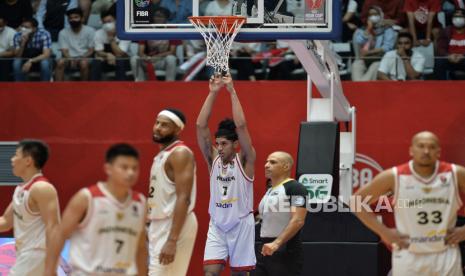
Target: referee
(283,212)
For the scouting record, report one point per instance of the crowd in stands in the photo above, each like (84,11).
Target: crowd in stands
(76,39)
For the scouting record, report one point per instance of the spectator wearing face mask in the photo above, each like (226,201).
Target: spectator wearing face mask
(392,10)
(372,42)
(32,51)
(451,46)
(404,63)
(51,15)
(110,52)
(77,46)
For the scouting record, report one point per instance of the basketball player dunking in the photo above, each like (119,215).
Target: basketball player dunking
(173,225)
(231,232)
(105,223)
(426,200)
(34,211)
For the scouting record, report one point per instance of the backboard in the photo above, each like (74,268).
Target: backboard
(266,19)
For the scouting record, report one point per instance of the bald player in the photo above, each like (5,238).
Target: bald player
(283,211)
(173,225)
(426,200)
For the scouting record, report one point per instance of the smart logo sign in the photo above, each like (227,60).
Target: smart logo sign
(364,170)
(318,187)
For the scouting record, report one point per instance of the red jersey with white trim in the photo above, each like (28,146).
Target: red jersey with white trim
(28,226)
(457,43)
(162,193)
(107,239)
(231,193)
(425,209)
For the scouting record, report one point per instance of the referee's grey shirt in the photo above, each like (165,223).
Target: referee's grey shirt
(275,206)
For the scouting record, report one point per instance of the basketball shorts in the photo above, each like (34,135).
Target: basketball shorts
(237,244)
(158,234)
(445,263)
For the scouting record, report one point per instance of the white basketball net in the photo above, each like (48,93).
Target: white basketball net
(218,40)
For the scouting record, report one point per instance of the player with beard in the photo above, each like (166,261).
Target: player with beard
(173,225)
(231,232)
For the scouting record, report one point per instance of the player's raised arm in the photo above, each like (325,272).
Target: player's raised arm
(203,132)
(72,216)
(247,151)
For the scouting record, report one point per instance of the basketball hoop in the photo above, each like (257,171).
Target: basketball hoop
(219,33)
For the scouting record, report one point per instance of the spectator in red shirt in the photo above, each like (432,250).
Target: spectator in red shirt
(422,20)
(451,44)
(392,11)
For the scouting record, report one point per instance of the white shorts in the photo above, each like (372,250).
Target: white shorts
(238,243)
(446,263)
(29,263)
(158,234)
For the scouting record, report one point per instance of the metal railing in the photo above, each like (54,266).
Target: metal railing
(262,66)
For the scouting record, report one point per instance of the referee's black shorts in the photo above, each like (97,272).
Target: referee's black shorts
(287,260)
